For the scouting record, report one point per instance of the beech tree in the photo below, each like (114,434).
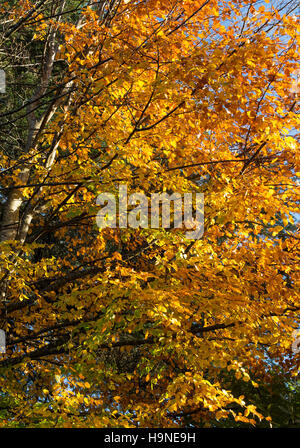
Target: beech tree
(119,327)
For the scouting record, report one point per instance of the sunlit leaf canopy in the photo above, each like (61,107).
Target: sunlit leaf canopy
(143,327)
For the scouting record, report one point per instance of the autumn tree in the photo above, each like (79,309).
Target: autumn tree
(116,327)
